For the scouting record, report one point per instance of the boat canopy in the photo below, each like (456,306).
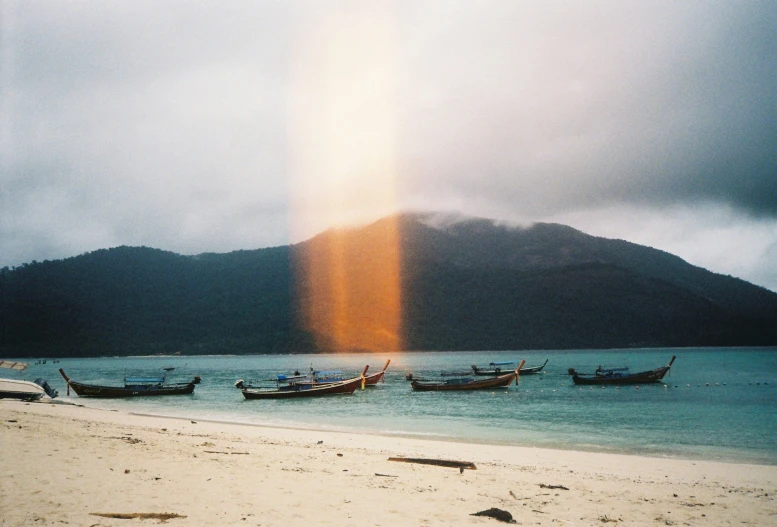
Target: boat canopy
(18,366)
(503,363)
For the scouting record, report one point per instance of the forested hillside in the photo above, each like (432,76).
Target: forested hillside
(467,285)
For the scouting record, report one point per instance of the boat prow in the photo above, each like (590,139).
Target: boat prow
(374,378)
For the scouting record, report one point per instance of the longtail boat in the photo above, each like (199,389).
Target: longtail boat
(294,390)
(460,383)
(620,375)
(496,368)
(133,387)
(374,378)
(314,378)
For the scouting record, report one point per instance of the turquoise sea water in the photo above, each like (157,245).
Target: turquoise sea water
(716,403)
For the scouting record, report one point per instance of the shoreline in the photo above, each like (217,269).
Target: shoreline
(71,461)
(430,436)
(703,453)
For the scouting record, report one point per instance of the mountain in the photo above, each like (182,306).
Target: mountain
(410,282)
(551,286)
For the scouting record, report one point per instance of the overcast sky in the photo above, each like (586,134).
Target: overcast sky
(216,126)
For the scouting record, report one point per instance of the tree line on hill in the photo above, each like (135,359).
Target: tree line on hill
(467,285)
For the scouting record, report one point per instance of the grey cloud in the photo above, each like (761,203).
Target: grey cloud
(167,123)
(646,103)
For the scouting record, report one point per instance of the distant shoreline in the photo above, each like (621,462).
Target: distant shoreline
(390,353)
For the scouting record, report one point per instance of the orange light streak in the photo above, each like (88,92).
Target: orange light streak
(342,135)
(350,294)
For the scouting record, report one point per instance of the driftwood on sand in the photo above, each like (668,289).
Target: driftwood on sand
(437,462)
(161,516)
(562,487)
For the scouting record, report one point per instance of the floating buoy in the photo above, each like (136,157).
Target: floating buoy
(636,387)
(707,384)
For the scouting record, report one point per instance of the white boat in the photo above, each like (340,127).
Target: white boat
(23,390)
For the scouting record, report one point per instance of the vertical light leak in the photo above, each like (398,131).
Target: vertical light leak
(342,136)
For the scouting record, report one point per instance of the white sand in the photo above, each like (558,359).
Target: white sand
(61,463)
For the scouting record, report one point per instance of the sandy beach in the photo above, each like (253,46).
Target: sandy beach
(72,465)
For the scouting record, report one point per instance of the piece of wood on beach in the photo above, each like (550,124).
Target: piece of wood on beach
(385,475)
(499,514)
(562,487)
(222,452)
(161,516)
(461,465)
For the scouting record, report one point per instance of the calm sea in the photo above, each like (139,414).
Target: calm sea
(716,403)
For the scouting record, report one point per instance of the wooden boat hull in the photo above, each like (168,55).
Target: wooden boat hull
(642,377)
(115,392)
(481,384)
(306,383)
(374,378)
(294,391)
(533,370)
(636,378)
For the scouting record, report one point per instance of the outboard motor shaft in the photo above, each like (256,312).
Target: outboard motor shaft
(51,392)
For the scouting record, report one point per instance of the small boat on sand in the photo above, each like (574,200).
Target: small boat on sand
(464,381)
(133,387)
(620,375)
(500,368)
(21,389)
